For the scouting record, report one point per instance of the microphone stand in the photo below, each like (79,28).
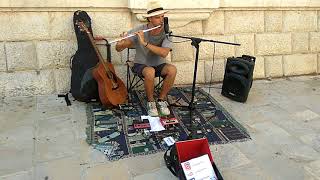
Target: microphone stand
(195,42)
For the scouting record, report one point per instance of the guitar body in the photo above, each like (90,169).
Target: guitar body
(112,90)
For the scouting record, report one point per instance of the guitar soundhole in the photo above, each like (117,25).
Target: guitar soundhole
(113,80)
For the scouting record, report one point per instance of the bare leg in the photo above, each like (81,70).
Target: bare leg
(169,71)
(149,75)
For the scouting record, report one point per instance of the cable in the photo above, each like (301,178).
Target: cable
(214,51)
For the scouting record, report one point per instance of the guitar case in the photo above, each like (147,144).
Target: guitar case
(83,86)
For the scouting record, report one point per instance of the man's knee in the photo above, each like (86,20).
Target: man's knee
(172,70)
(148,73)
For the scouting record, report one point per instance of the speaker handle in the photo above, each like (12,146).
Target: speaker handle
(238,67)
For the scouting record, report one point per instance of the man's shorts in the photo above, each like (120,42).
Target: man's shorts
(138,68)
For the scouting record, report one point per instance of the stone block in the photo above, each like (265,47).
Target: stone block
(182,52)
(298,64)
(300,42)
(169,57)
(318,20)
(61,25)
(186,28)
(215,23)
(20,56)
(273,44)
(65,4)
(3,64)
(299,21)
(273,21)
(28,83)
(259,68)
(110,24)
(247,44)
(273,66)
(215,73)
(221,50)
(20,26)
(244,21)
(62,79)
(185,72)
(125,53)
(315,41)
(55,54)
(318,63)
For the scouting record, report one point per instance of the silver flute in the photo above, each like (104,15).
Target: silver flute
(130,35)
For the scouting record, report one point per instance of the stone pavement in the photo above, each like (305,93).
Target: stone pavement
(43,139)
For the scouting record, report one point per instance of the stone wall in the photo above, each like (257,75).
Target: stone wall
(36,43)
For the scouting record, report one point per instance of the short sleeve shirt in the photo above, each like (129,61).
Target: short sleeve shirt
(143,54)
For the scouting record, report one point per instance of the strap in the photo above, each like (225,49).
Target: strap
(169,161)
(66,98)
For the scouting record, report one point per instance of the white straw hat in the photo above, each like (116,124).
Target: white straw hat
(154,8)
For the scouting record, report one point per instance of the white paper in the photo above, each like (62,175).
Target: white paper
(154,122)
(199,168)
(169,140)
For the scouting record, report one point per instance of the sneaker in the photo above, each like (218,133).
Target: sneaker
(152,109)
(163,108)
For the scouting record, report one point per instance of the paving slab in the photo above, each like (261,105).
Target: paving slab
(62,146)
(109,171)
(248,172)
(313,169)
(21,175)
(313,140)
(64,168)
(158,174)
(228,156)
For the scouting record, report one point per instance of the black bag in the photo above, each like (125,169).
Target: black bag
(173,164)
(83,86)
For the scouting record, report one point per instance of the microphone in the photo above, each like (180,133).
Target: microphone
(166,25)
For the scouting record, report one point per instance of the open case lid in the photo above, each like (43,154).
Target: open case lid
(190,149)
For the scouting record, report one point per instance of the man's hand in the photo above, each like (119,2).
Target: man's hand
(99,38)
(140,35)
(124,43)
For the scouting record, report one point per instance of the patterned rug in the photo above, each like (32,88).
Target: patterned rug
(121,132)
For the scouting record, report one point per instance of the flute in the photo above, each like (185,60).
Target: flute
(130,35)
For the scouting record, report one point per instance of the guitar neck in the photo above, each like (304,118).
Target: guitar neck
(95,48)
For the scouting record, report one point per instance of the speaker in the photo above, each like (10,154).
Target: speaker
(238,77)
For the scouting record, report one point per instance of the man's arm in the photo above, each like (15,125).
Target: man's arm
(161,51)
(125,43)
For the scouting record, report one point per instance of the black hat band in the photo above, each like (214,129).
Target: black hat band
(154,10)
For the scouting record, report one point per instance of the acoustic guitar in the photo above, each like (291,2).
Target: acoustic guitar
(112,90)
